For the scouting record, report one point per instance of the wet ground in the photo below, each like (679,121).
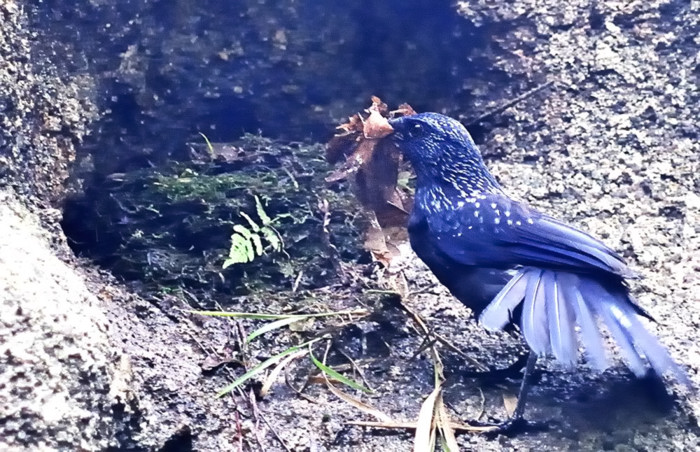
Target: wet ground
(586,110)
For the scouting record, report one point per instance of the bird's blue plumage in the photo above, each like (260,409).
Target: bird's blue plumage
(474,238)
(492,230)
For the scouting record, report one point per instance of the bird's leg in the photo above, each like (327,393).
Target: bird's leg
(513,371)
(524,389)
(516,420)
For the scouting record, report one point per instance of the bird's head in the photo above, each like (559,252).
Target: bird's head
(441,151)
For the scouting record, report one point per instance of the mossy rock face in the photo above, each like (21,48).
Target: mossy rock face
(171,226)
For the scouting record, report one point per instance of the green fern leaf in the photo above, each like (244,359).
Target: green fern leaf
(264,218)
(272,237)
(241,251)
(253,225)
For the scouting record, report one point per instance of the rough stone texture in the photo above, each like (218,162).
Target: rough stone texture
(85,365)
(54,349)
(42,116)
(160,398)
(54,363)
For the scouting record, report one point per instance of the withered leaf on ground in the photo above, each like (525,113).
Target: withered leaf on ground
(373,162)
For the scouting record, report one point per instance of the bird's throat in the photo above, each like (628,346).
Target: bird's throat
(449,189)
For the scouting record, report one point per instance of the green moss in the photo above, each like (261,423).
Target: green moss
(171,226)
(191,185)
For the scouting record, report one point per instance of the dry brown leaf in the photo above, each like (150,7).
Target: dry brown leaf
(404,110)
(373,161)
(376,126)
(510,402)
(361,154)
(375,243)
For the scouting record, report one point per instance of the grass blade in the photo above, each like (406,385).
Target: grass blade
(273,326)
(425,425)
(337,376)
(260,316)
(406,425)
(362,406)
(447,433)
(347,397)
(270,380)
(262,366)
(210,148)
(241,315)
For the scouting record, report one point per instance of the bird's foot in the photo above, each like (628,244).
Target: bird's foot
(512,372)
(510,427)
(516,423)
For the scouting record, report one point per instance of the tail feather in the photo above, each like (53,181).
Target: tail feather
(647,344)
(590,336)
(654,352)
(534,315)
(624,340)
(499,312)
(561,322)
(554,302)
(624,314)
(637,344)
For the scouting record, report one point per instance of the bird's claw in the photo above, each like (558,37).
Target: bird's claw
(511,427)
(513,372)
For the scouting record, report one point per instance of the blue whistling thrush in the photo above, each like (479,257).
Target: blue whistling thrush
(512,264)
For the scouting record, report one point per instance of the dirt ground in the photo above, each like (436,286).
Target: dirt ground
(586,110)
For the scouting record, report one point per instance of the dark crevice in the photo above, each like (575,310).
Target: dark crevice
(181,441)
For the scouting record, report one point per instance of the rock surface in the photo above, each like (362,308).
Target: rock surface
(55,356)
(43,117)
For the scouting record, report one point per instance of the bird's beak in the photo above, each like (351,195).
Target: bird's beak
(396,128)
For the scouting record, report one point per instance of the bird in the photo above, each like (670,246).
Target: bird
(515,266)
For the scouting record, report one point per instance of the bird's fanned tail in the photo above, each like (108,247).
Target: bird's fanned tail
(553,302)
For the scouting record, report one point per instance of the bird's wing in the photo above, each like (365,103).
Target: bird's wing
(495,231)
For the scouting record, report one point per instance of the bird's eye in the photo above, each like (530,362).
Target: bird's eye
(415,129)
